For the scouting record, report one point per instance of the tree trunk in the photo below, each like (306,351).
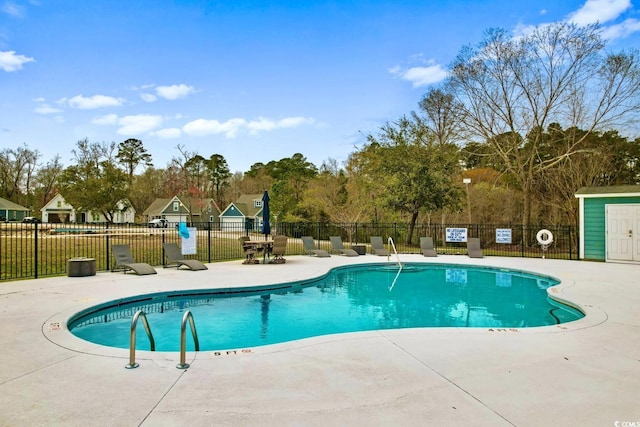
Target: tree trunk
(412,226)
(526,213)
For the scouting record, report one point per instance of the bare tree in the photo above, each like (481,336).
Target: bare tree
(442,116)
(46,179)
(17,167)
(514,88)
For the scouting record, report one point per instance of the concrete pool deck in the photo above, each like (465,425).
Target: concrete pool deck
(583,373)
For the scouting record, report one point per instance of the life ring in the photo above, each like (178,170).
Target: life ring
(544,237)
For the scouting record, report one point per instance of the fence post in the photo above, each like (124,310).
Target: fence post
(35,256)
(209,241)
(570,243)
(107,248)
(356,232)
(162,257)
(522,240)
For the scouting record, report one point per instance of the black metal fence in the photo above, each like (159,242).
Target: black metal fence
(39,250)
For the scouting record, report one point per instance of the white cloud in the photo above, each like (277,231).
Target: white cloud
(47,109)
(10,8)
(9,61)
(168,133)
(201,127)
(621,30)
(291,122)
(130,125)
(263,124)
(109,119)
(138,124)
(93,102)
(174,91)
(599,11)
(148,97)
(522,30)
(232,127)
(421,76)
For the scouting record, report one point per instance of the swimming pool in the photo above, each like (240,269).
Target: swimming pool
(347,299)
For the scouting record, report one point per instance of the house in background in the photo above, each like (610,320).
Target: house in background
(609,223)
(243,214)
(185,209)
(10,211)
(57,210)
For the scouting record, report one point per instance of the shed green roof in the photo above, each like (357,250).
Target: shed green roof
(609,190)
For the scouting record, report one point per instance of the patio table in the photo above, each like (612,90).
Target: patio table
(265,245)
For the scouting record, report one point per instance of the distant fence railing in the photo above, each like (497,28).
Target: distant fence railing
(40,250)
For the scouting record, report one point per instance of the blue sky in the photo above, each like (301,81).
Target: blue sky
(253,81)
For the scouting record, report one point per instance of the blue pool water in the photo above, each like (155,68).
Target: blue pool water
(347,299)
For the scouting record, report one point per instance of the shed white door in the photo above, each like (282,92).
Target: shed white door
(623,232)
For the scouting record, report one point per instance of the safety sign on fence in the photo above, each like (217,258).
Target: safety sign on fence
(503,235)
(456,234)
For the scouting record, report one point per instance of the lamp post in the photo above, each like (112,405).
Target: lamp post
(466,182)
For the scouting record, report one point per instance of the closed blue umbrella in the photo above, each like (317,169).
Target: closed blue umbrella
(266,226)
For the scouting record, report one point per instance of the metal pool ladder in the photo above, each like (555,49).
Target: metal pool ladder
(188,317)
(183,339)
(132,338)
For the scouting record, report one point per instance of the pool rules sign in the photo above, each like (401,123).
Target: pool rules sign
(503,235)
(456,234)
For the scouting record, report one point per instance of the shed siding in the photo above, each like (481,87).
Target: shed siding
(595,224)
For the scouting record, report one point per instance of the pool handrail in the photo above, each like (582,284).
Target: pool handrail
(132,338)
(395,279)
(394,251)
(183,338)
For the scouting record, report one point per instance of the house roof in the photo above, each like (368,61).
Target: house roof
(158,206)
(9,205)
(245,205)
(609,191)
(197,205)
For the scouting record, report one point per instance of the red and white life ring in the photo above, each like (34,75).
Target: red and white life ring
(544,237)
